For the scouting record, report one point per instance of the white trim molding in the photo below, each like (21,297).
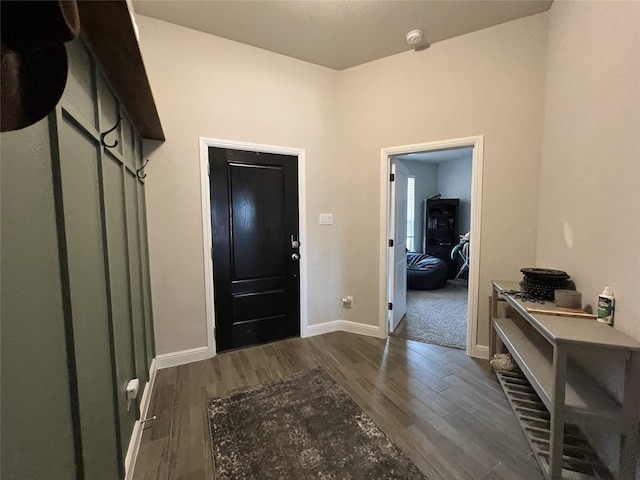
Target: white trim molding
(477,142)
(344,326)
(205,143)
(136,436)
(481,351)
(174,359)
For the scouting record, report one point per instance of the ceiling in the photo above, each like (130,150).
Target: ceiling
(438,156)
(337,34)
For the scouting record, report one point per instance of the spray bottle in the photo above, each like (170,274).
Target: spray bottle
(606,305)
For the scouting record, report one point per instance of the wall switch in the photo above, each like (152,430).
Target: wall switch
(326,219)
(347,302)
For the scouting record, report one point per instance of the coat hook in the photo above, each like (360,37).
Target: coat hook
(102,135)
(146,161)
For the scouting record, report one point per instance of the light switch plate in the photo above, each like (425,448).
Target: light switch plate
(326,219)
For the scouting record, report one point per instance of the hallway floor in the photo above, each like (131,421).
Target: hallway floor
(445,410)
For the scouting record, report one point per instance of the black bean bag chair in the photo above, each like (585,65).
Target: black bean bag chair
(425,272)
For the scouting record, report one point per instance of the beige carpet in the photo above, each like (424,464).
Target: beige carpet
(437,316)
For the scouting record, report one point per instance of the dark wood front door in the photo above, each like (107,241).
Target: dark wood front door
(254,225)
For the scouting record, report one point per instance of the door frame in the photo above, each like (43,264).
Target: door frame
(205,143)
(477,167)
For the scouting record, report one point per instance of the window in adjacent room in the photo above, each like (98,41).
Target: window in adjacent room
(411,210)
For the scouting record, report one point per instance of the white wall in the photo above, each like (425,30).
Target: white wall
(454,181)
(206,86)
(451,179)
(489,82)
(589,214)
(589,201)
(426,186)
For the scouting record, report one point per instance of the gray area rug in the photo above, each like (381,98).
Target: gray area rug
(436,316)
(301,427)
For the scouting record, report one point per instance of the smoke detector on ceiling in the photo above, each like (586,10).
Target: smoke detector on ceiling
(414,37)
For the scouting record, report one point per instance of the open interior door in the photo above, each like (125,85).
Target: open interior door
(397,252)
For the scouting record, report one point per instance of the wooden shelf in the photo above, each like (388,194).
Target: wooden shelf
(441,222)
(109,31)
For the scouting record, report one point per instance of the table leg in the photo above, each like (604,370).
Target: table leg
(493,313)
(557,412)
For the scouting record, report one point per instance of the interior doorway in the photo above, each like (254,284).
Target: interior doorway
(444,238)
(437,229)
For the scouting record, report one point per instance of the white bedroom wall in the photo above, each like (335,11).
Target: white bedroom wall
(454,181)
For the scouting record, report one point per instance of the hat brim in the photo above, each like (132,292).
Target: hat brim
(32,84)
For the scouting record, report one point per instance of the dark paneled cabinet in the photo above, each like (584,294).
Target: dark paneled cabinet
(441,229)
(76,302)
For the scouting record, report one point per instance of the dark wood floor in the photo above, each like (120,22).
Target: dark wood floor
(444,409)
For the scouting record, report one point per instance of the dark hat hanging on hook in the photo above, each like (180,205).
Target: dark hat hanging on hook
(34,59)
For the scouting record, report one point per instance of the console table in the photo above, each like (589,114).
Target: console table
(542,346)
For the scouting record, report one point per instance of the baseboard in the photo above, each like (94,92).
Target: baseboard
(136,436)
(174,359)
(342,326)
(480,351)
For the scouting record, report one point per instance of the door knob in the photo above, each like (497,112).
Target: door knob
(295,256)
